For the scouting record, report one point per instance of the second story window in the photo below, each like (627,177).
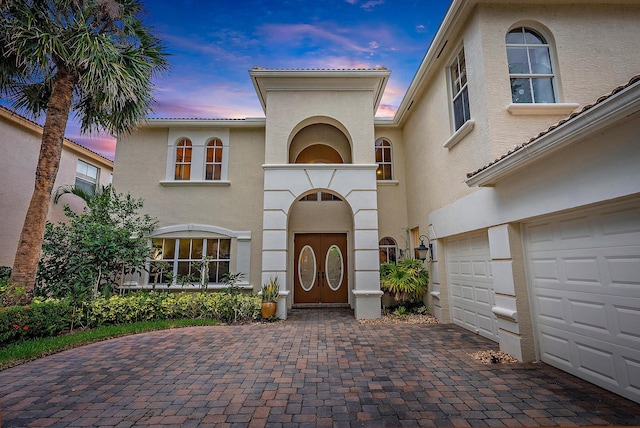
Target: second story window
(384,160)
(460,94)
(183,160)
(530,68)
(86,177)
(213,162)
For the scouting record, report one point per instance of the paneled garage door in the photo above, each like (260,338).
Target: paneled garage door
(471,284)
(584,273)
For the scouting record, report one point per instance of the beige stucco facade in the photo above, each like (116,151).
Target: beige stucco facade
(20,142)
(498,197)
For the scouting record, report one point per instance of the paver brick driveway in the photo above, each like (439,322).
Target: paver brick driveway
(318,368)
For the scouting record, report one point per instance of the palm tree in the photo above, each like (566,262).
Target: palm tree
(92,58)
(79,191)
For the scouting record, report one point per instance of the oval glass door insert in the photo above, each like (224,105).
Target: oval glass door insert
(307,268)
(334,267)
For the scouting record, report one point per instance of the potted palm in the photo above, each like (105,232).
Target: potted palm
(270,293)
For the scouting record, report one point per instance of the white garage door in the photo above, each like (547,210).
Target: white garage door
(584,273)
(471,284)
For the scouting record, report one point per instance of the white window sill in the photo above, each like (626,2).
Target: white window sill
(559,109)
(462,132)
(218,183)
(387,182)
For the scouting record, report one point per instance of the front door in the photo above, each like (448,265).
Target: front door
(320,268)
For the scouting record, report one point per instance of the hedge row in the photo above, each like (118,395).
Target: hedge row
(52,317)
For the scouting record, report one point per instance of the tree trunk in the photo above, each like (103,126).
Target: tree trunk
(25,265)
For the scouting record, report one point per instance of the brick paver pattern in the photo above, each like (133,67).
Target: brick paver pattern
(317,368)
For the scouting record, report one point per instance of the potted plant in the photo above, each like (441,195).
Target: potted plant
(270,293)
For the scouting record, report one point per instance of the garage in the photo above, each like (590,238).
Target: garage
(583,271)
(471,284)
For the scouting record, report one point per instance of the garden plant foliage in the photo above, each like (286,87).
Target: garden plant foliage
(50,317)
(94,250)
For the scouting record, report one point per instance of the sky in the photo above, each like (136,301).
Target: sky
(213,45)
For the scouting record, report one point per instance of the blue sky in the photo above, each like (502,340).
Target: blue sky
(213,44)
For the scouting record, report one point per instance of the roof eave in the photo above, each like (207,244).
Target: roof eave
(258,74)
(256,122)
(600,116)
(454,17)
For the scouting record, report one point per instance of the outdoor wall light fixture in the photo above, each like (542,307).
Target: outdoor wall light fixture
(424,251)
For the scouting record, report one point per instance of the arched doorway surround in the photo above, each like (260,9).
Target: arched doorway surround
(356,185)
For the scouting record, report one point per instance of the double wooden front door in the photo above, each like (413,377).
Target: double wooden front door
(320,268)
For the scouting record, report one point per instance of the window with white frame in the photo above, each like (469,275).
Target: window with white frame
(183,261)
(183,159)
(459,91)
(388,250)
(213,160)
(530,67)
(87,177)
(197,157)
(384,159)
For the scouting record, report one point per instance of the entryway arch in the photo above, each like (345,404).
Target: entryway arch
(320,236)
(356,185)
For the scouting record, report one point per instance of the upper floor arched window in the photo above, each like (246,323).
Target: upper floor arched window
(384,159)
(183,159)
(213,160)
(530,67)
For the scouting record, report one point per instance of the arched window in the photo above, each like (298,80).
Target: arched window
(213,161)
(183,160)
(384,160)
(388,250)
(530,67)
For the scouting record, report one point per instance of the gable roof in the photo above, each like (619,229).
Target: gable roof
(605,111)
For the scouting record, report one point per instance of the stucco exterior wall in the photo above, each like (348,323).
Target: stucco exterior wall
(603,167)
(594,50)
(392,194)
(286,110)
(236,206)
(590,61)
(20,145)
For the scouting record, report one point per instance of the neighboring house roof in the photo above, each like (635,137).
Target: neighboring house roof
(622,101)
(36,127)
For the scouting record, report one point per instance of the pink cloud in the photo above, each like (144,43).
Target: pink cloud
(104,145)
(320,32)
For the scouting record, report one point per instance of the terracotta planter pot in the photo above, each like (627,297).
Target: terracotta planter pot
(269,309)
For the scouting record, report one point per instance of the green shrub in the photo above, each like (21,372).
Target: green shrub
(39,319)
(51,317)
(152,306)
(406,281)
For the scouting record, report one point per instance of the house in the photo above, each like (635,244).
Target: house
(514,155)
(20,140)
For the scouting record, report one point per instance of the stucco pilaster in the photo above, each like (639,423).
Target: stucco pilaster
(511,294)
